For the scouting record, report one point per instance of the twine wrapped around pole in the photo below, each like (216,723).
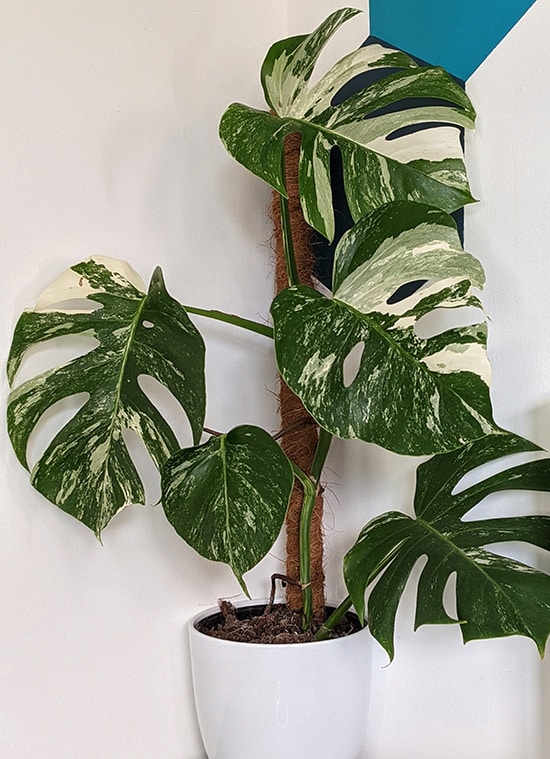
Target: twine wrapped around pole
(301,440)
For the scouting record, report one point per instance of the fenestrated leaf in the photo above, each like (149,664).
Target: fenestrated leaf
(86,469)
(289,63)
(410,395)
(382,160)
(495,596)
(228,497)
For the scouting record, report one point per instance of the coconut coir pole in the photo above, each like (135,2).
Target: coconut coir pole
(300,442)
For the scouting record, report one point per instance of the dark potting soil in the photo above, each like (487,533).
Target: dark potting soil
(280,625)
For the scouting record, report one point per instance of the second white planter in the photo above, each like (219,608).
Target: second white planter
(280,701)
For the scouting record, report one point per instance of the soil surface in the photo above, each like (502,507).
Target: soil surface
(280,625)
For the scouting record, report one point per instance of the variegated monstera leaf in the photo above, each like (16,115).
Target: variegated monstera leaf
(86,469)
(228,497)
(383,159)
(410,395)
(495,596)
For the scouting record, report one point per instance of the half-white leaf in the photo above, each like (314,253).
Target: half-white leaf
(410,395)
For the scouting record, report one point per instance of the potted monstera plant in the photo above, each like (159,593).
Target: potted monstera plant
(356,366)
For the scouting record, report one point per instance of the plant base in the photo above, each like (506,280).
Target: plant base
(280,625)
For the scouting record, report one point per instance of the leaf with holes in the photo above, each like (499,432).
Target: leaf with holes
(400,137)
(228,498)
(410,395)
(86,469)
(495,596)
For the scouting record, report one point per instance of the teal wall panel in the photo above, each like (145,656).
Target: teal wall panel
(455,34)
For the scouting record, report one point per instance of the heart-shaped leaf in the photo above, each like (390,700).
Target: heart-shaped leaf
(400,136)
(86,470)
(228,497)
(410,395)
(495,596)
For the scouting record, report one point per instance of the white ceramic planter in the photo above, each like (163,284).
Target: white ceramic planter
(258,701)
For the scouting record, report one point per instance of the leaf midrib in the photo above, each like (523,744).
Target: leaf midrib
(118,393)
(223,456)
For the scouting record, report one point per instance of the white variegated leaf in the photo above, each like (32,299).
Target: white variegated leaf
(382,160)
(311,102)
(86,469)
(495,596)
(314,176)
(289,63)
(228,497)
(430,250)
(71,285)
(410,395)
(373,132)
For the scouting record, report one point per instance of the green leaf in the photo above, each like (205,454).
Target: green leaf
(381,161)
(410,395)
(86,469)
(495,596)
(228,498)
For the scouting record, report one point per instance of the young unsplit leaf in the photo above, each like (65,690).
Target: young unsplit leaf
(228,497)
(495,596)
(86,469)
(381,160)
(410,395)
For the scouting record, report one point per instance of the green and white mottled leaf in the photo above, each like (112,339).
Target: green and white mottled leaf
(410,395)
(289,63)
(86,469)
(495,596)
(382,161)
(228,497)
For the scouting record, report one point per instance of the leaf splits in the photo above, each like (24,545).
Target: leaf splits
(394,145)
(227,497)
(496,596)
(86,469)
(410,395)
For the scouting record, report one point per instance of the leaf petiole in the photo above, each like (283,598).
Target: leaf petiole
(329,624)
(237,321)
(305,553)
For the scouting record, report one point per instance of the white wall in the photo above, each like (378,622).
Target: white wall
(108,144)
